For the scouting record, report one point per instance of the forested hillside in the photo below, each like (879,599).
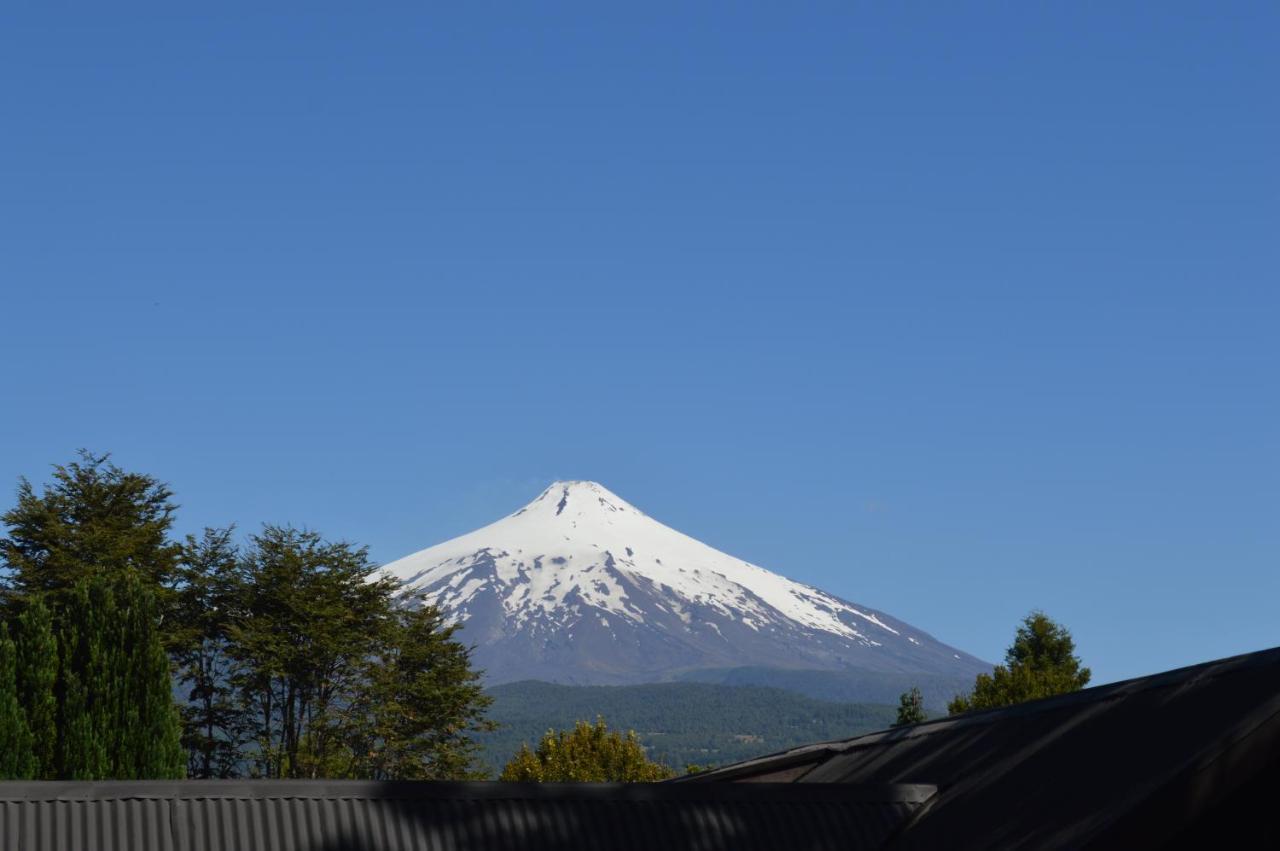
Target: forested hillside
(854,686)
(679,723)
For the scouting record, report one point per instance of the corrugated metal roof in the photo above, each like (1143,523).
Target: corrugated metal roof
(1132,764)
(322,815)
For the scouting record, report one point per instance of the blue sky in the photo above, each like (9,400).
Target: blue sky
(954,313)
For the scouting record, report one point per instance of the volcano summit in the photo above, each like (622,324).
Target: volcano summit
(581,587)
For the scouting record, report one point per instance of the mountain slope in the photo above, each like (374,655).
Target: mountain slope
(581,587)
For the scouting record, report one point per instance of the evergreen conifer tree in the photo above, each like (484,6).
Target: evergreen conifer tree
(17,761)
(85,683)
(117,718)
(37,671)
(1041,662)
(910,708)
(147,740)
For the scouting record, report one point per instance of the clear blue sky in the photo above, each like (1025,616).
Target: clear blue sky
(953,312)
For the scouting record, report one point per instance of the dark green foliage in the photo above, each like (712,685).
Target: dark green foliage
(415,716)
(336,680)
(1041,662)
(85,683)
(117,719)
(94,519)
(850,686)
(910,708)
(37,672)
(150,738)
(88,559)
(294,660)
(589,753)
(678,723)
(310,618)
(17,761)
(206,605)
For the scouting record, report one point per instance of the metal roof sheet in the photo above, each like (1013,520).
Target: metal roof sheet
(1129,764)
(316,815)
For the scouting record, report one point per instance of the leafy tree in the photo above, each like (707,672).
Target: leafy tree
(910,708)
(294,657)
(590,753)
(1041,662)
(17,761)
(310,617)
(37,672)
(206,605)
(94,518)
(421,702)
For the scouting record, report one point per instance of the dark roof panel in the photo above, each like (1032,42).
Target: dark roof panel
(322,815)
(1132,763)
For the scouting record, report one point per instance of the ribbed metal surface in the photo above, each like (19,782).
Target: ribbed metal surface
(443,817)
(115,825)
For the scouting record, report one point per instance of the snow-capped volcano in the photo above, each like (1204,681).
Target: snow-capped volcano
(580,586)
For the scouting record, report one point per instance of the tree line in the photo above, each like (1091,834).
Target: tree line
(678,722)
(125,653)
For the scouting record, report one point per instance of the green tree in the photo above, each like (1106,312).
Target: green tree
(94,518)
(420,704)
(910,708)
(205,607)
(1041,662)
(17,760)
(116,718)
(150,730)
(85,683)
(37,673)
(311,615)
(589,753)
(294,657)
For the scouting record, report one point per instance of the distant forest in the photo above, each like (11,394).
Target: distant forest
(679,723)
(856,686)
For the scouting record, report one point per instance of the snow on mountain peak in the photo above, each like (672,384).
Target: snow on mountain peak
(579,557)
(580,498)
